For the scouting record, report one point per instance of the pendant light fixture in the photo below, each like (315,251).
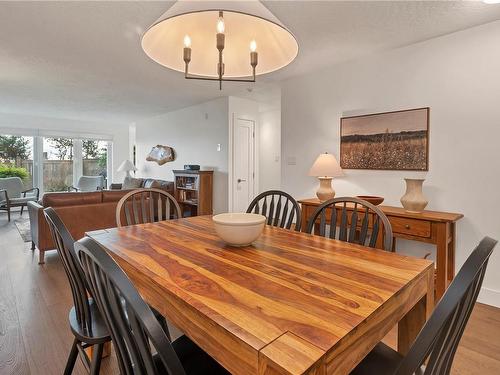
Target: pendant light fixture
(220,40)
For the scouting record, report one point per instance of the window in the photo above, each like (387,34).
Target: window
(95,158)
(57,164)
(52,162)
(17,152)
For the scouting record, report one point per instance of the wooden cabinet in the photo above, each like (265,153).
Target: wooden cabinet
(437,228)
(194,192)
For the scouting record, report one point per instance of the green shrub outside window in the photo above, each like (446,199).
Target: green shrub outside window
(9,171)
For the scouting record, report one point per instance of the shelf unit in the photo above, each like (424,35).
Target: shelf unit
(194,192)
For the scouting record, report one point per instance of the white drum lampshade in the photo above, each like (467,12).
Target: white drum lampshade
(248,26)
(127,166)
(325,168)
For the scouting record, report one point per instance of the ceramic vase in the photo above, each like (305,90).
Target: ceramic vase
(325,190)
(414,200)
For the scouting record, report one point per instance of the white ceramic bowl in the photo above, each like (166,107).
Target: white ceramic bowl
(239,229)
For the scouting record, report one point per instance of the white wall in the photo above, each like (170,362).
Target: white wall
(458,77)
(194,133)
(24,124)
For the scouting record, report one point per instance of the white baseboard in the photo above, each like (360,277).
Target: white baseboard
(489,297)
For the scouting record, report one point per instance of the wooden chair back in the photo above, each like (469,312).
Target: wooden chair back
(146,206)
(438,340)
(279,207)
(65,248)
(134,329)
(352,220)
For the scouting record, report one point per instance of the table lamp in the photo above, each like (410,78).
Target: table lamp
(126,167)
(325,168)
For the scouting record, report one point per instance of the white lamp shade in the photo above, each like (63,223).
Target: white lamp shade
(127,166)
(245,21)
(326,165)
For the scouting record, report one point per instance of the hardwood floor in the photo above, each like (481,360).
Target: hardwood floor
(35,337)
(34,304)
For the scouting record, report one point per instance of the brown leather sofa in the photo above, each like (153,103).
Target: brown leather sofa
(80,212)
(153,183)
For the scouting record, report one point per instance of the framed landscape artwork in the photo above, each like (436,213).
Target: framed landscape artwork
(396,140)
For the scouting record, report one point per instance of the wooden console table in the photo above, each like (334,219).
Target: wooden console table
(437,228)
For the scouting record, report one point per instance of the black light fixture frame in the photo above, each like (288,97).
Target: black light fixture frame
(220,42)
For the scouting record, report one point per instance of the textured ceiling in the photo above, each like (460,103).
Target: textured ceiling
(83,60)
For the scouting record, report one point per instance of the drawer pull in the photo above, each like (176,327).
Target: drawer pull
(407,226)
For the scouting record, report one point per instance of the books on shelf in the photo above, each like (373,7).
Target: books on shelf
(187,197)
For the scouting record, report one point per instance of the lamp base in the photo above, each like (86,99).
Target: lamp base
(325,190)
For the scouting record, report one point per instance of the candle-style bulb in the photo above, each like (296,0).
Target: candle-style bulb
(187,41)
(253,46)
(220,25)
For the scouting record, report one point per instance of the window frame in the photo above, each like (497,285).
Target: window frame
(38,136)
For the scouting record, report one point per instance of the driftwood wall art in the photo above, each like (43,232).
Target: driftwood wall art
(161,154)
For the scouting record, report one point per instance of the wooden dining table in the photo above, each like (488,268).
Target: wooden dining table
(291,303)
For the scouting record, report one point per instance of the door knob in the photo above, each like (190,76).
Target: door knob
(240,180)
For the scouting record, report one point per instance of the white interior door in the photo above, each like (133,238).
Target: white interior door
(243,163)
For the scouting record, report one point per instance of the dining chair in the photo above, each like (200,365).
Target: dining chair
(353,220)
(146,206)
(280,208)
(85,320)
(438,340)
(135,331)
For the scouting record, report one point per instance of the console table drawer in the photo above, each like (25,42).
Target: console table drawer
(411,227)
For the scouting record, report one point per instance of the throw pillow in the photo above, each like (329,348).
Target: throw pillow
(131,183)
(151,183)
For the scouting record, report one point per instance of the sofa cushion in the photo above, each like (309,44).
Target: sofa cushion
(113,195)
(168,186)
(71,199)
(22,200)
(131,183)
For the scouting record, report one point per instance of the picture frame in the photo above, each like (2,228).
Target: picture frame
(395,140)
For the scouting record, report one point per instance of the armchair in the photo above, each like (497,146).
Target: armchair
(13,194)
(88,183)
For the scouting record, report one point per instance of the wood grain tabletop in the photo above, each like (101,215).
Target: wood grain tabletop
(291,303)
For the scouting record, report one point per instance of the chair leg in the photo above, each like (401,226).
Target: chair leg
(96,360)
(33,245)
(72,358)
(22,209)
(8,213)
